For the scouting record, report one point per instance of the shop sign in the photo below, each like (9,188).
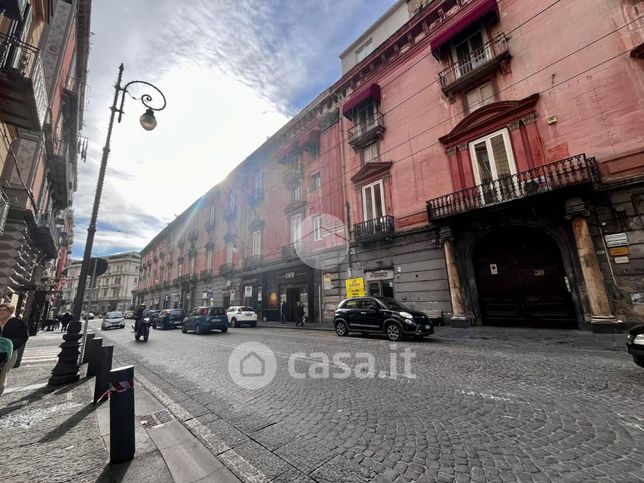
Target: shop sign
(259,294)
(250,281)
(376,275)
(328,284)
(621,259)
(616,240)
(248,291)
(289,275)
(494,270)
(619,251)
(355,287)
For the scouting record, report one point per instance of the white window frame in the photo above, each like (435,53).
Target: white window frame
(372,146)
(259,180)
(229,253)
(487,139)
(296,228)
(257,243)
(317,228)
(296,193)
(209,259)
(316,177)
(373,199)
(212,214)
(458,69)
(481,100)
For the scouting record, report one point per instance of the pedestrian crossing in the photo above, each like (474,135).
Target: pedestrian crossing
(40,355)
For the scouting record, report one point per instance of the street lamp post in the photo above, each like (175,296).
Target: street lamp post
(67,368)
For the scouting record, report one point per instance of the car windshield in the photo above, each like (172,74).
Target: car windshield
(393,304)
(217,311)
(114,315)
(176,312)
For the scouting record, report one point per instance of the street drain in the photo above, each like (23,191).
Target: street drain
(154,419)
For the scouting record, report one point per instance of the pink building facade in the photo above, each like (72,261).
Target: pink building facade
(486,160)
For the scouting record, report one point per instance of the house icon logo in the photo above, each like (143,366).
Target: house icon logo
(252,365)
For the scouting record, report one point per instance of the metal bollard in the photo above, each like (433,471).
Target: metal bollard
(88,342)
(102,382)
(121,414)
(94,356)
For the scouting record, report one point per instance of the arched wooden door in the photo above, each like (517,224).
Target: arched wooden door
(521,280)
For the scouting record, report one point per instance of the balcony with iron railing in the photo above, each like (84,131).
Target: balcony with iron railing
(230,211)
(375,229)
(479,63)
(210,225)
(14,9)
(572,171)
(293,175)
(23,92)
(289,252)
(256,196)
(47,235)
(226,268)
(364,133)
(252,262)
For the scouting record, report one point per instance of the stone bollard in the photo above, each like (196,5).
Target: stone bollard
(94,356)
(102,382)
(88,342)
(122,443)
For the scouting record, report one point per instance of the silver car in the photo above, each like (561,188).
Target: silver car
(113,320)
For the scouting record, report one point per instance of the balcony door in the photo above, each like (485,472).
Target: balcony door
(373,201)
(471,53)
(493,166)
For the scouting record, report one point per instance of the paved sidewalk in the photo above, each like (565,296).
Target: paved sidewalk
(59,435)
(573,338)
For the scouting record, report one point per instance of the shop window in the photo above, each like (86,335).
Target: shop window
(479,97)
(373,201)
(381,288)
(370,153)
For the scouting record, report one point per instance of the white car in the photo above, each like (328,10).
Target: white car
(239,315)
(113,319)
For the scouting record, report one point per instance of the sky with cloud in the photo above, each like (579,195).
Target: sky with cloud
(233,73)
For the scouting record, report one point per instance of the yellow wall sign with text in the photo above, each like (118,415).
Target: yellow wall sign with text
(355,287)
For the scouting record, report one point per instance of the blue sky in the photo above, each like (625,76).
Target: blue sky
(233,72)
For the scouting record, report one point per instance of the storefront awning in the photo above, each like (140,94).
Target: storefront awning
(461,20)
(370,92)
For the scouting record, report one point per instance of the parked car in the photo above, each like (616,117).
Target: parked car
(239,315)
(152,315)
(128,314)
(205,319)
(381,315)
(112,320)
(635,344)
(89,316)
(169,319)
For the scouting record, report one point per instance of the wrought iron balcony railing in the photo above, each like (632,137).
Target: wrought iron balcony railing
(542,179)
(380,227)
(4,210)
(252,262)
(206,274)
(22,84)
(226,268)
(293,176)
(256,196)
(48,235)
(210,225)
(230,212)
(289,251)
(478,63)
(364,133)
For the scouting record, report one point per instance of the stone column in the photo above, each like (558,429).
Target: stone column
(602,317)
(459,317)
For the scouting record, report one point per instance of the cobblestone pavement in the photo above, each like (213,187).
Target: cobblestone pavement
(490,409)
(48,434)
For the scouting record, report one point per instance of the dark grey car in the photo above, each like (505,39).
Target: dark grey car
(205,319)
(382,315)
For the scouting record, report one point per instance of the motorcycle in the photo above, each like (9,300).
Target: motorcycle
(141,330)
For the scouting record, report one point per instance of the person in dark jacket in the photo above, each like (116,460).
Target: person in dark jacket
(300,314)
(65,320)
(284,312)
(14,329)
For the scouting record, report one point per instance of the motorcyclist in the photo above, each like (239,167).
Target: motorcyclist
(139,317)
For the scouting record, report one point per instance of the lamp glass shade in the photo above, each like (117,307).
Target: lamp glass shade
(148,121)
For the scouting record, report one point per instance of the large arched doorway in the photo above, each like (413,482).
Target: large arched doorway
(521,280)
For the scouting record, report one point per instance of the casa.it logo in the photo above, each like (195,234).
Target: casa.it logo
(252,365)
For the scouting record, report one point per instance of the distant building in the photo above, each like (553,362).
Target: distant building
(111,291)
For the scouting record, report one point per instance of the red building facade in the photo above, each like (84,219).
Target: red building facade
(480,171)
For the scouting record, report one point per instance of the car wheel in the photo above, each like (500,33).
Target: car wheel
(639,361)
(393,332)
(224,330)
(123,327)
(233,323)
(198,330)
(183,329)
(254,325)
(341,329)
(154,325)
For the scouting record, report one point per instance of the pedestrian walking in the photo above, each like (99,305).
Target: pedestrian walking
(65,320)
(300,314)
(284,312)
(15,330)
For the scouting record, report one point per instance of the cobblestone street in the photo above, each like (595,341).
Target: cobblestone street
(488,408)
